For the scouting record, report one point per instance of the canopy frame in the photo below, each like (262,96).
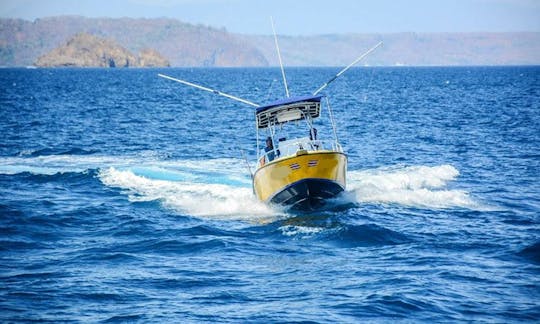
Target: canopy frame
(289,110)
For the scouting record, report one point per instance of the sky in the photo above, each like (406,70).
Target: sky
(304,17)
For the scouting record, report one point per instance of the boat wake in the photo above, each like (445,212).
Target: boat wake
(187,194)
(415,186)
(221,188)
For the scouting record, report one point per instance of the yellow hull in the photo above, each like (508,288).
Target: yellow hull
(306,176)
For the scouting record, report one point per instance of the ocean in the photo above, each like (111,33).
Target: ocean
(125,197)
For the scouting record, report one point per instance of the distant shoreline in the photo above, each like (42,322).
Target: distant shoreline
(188,45)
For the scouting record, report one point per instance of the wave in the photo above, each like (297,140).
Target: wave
(194,198)
(415,186)
(53,164)
(343,235)
(531,252)
(56,151)
(218,188)
(222,188)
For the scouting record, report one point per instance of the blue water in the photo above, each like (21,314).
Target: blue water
(125,197)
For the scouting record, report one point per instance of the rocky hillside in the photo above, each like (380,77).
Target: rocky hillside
(85,50)
(151,58)
(22,42)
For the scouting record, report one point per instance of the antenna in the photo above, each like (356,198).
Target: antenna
(346,68)
(209,90)
(279,56)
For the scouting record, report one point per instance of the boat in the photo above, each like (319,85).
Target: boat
(297,167)
(301,172)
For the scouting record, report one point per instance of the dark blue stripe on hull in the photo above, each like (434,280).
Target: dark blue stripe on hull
(307,194)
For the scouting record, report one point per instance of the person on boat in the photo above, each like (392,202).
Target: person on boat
(313,134)
(269,149)
(313,138)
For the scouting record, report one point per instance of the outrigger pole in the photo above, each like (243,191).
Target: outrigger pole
(209,90)
(279,56)
(346,68)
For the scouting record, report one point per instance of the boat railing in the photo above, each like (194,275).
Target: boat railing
(291,147)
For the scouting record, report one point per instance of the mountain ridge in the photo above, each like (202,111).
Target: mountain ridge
(408,49)
(188,45)
(22,41)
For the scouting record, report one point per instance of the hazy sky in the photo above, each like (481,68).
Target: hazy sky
(304,17)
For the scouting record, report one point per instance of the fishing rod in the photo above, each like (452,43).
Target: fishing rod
(346,68)
(247,163)
(279,56)
(209,90)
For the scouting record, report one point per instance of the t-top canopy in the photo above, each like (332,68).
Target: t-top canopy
(287,110)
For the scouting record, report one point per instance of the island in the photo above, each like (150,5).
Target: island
(87,50)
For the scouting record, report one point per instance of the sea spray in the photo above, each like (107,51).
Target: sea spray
(418,186)
(192,198)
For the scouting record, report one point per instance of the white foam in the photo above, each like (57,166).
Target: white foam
(418,186)
(221,187)
(211,188)
(195,199)
(298,230)
(52,164)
